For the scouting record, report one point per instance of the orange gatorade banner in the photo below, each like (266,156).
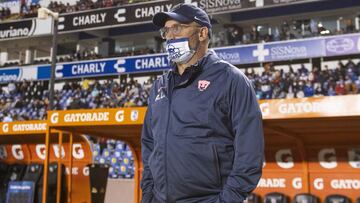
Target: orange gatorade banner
(124,116)
(311,107)
(336,183)
(23,127)
(287,183)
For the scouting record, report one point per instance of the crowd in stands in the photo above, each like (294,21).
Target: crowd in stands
(80,56)
(25,100)
(77,56)
(30,11)
(4,13)
(82,5)
(28,100)
(233,34)
(278,84)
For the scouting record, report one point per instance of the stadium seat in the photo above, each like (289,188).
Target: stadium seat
(15,172)
(305,198)
(252,198)
(113,173)
(337,199)
(52,184)
(34,173)
(113,160)
(275,197)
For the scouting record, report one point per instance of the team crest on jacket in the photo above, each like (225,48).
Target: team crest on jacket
(203,84)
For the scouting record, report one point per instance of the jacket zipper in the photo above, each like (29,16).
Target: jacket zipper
(170,88)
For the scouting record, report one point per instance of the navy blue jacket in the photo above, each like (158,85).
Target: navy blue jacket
(202,143)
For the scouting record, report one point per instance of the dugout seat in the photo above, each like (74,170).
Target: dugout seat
(34,173)
(337,199)
(305,198)
(252,198)
(52,184)
(275,197)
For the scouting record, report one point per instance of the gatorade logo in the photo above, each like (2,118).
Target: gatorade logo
(284,159)
(77,151)
(17,152)
(327,158)
(265,109)
(5,128)
(119,116)
(54,118)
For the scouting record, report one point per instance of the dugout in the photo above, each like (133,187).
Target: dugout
(122,124)
(22,144)
(312,146)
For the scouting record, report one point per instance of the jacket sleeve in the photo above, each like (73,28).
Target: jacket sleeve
(146,149)
(246,120)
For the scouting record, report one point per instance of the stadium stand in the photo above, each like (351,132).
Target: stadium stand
(30,11)
(225,35)
(116,154)
(27,100)
(272,84)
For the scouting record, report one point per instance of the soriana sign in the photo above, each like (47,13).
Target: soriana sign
(311,107)
(97,116)
(23,127)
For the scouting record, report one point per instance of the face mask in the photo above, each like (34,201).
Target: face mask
(179,50)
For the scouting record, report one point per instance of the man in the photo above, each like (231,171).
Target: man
(202,138)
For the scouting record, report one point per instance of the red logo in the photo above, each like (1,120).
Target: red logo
(203,84)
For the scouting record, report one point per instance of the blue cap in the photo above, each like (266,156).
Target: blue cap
(184,13)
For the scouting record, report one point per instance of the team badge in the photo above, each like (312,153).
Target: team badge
(203,84)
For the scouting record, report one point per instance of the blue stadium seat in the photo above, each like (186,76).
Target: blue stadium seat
(106,153)
(113,160)
(102,160)
(113,173)
(118,153)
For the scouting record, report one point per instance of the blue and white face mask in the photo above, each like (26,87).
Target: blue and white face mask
(179,50)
